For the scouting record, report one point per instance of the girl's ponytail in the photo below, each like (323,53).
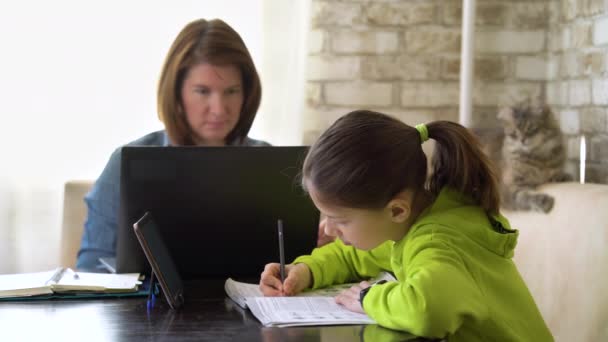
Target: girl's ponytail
(459,162)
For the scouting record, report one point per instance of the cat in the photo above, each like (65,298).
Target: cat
(532,154)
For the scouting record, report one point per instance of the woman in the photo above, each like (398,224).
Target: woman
(208,95)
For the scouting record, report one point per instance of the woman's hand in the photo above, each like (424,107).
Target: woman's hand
(322,238)
(350,298)
(298,278)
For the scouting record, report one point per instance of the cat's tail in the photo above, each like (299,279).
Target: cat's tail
(526,199)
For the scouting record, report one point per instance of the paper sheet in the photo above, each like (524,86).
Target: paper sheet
(25,284)
(295,311)
(239,292)
(98,282)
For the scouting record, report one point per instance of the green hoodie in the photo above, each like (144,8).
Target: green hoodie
(456,278)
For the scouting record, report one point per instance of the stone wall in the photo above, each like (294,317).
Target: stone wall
(402,57)
(577,82)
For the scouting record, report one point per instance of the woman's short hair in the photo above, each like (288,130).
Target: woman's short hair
(213,42)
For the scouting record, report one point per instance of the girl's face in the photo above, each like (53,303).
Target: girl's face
(212,98)
(362,228)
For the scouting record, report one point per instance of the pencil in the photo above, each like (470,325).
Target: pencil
(281,250)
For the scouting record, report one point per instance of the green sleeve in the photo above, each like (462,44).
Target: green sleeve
(434,296)
(336,263)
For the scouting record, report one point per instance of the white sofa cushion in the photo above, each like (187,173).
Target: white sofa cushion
(563,258)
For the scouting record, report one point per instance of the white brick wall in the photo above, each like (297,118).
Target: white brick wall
(510,42)
(593,120)
(600,91)
(528,14)
(581,35)
(379,42)
(569,65)
(327,116)
(313,94)
(552,67)
(400,13)
(332,13)
(566,38)
(501,94)
(569,121)
(557,93)
(364,94)
(531,68)
(600,31)
(579,92)
(554,40)
(315,41)
(402,67)
(424,94)
(427,40)
(569,9)
(599,147)
(402,57)
(333,68)
(414,117)
(573,146)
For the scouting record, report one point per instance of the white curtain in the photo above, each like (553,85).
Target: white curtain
(78,79)
(285,30)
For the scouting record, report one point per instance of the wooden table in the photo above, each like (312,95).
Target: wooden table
(208,315)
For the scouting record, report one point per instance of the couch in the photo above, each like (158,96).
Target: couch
(563,257)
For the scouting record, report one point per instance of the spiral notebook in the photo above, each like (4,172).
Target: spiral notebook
(65,280)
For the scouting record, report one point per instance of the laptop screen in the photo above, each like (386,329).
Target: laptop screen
(216,207)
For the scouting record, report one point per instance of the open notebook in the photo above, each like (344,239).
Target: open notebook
(64,280)
(315,307)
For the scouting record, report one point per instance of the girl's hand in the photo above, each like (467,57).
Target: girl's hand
(298,278)
(350,298)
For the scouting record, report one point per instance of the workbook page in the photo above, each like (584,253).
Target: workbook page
(294,311)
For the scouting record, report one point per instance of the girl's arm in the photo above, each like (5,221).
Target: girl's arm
(336,263)
(435,294)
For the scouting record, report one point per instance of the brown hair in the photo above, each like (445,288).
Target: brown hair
(366,158)
(213,42)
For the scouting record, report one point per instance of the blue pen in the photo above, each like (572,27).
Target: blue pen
(151,296)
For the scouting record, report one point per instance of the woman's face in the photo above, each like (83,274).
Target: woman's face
(212,98)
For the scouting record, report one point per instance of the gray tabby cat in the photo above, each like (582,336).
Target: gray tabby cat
(532,154)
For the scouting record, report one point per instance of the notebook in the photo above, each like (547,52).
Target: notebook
(65,280)
(315,307)
(216,207)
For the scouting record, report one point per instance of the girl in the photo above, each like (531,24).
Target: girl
(444,240)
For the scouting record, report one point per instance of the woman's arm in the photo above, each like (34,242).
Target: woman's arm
(99,236)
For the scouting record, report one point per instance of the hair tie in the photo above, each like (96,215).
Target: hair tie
(424,132)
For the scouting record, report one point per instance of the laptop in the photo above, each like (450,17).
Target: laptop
(216,207)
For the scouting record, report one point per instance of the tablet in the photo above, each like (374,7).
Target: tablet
(148,235)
